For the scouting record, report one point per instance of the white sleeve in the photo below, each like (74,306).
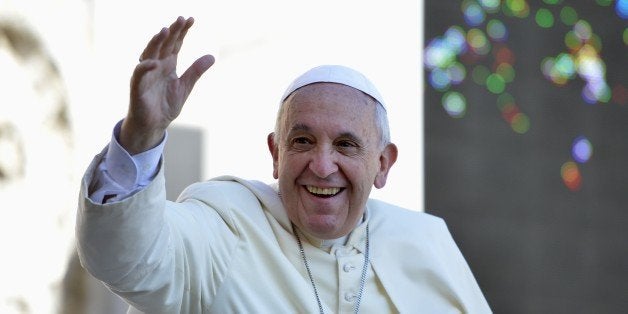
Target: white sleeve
(159,256)
(120,175)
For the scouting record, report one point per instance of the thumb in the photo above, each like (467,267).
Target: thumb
(194,72)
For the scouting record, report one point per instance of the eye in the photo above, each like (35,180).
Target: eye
(301,140)
(347,147)
(301,143)
(346,144)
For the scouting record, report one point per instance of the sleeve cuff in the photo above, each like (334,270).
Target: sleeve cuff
(132,171)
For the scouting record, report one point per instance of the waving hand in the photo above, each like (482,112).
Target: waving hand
(157,93)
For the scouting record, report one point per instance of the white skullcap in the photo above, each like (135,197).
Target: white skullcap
(335,74)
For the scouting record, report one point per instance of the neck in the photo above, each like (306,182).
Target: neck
(326,244)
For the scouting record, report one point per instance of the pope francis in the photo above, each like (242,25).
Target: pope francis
(312,242)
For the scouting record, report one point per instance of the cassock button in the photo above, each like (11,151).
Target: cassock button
(341,252)
(350,296)
(348,267)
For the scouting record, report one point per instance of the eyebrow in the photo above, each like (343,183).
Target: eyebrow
(299,127)
(305,128)
(352,137)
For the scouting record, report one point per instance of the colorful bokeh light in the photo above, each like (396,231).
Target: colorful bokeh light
(454,104)
(490,6)
(473,13)
(516,8)
(621,8)
(583,30)
(571,176)
(568,16)
(496,30)
(581,150)
(544,18)
(506,71)
(495,83)
(504,55)
(479,51)
(478,42)
(518,121)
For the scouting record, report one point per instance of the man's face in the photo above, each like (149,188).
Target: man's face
(328,158)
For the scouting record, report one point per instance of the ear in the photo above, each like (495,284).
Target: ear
(274,151)
(386,160)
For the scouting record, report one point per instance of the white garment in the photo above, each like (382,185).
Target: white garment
(227,246)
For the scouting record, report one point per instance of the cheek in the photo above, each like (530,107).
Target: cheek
(289,167)
(362,171)
(283,161)
(362,176)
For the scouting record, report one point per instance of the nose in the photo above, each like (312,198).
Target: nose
(323,163)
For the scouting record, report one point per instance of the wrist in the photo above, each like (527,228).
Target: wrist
(136,140)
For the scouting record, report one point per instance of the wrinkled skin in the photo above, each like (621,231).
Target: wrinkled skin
(157,93)
(329,157)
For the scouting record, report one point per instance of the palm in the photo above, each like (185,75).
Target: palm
(160,94)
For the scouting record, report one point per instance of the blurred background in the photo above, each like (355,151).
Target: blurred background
(66,66)
(526,117)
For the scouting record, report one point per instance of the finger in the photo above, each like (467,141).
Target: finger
(152,48)
(194,72)
(179,42)
(140,71)
(169,43)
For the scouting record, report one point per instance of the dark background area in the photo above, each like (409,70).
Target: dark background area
(534,244)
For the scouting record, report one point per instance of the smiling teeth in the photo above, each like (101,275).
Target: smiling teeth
(323,191)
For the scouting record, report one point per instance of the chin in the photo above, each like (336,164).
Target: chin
(322,230)
(326,232)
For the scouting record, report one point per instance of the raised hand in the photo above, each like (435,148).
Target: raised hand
(157,93)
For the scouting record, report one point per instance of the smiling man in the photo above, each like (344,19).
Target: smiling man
(313,242)
(328,151)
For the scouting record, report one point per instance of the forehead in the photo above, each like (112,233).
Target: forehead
(329,105)
(329,97)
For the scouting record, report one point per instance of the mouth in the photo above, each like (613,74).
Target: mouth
(323,192)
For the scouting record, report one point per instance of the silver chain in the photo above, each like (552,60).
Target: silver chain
(362,277)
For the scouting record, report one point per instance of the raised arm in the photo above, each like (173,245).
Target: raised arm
(136,244)
(157,93)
